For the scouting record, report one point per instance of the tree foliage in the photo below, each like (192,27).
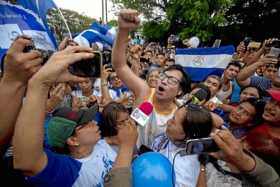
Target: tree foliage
(75,21)
(230,20)
(255,18)
(183,17)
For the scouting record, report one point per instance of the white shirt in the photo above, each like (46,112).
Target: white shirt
(155,126)
(96,166)
(187,168)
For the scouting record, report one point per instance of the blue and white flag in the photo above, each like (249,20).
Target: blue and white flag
(101,35)
(41,8)
(15,21)
(199,63)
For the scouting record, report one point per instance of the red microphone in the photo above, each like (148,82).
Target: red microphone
(142,113)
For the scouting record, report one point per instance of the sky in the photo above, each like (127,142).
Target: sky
(91,8)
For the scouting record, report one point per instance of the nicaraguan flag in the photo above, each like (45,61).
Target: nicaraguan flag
(109,32)
(40,7)
(16,20)
(199,63)
(101,35)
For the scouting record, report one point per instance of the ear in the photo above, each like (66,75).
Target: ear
(72,141)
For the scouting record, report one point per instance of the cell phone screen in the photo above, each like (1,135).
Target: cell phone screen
(89,67)
(203,145)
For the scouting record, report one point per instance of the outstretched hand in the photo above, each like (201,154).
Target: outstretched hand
(56,69)
(20,66)
(232,150)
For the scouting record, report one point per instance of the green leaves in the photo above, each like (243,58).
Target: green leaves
(183,17)
(76,22)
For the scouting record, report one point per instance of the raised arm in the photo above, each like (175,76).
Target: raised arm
(247,163)
(120,175)
(18,67)
(128,20)
(29,155)
(244,75)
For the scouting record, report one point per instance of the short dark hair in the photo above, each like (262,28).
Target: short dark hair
(198,122)
(217,78)
(185,83)
(234,63)
(260,92)
(258,104)
(108,126)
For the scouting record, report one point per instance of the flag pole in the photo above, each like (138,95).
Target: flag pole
(103,12)
(65,22)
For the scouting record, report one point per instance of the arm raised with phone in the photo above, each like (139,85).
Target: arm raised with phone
(232,152)
(18,66)
(29,155)
(128,20)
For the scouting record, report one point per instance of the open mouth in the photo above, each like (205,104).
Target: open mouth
(161,89)
(268,114)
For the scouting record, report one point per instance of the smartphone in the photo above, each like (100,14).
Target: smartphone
(274,43)
(202,145)
(89,67)
(274,52)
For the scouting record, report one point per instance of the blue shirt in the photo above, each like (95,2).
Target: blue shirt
(261,82)
(64,171)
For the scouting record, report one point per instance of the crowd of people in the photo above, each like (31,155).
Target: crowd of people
(58,129)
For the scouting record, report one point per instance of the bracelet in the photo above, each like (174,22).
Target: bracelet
(104,84)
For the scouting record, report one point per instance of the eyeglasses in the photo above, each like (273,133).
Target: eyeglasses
(170,80)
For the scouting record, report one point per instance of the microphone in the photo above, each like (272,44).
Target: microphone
(142,113)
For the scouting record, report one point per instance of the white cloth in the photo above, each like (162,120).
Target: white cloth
(224,95)
(155,126)
(187,168)
(96,166)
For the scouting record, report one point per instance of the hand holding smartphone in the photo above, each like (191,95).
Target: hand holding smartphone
(201,145)
(88,68)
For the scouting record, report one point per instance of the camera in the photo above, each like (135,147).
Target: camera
(89,67)
(45,54)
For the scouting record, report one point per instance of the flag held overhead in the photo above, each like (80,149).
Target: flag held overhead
(199,63)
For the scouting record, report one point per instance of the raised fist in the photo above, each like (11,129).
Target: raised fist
(128,20)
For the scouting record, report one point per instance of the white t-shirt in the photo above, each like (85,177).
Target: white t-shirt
(64,171)
(224,95)
(96,166)
(97,90)
(187,168)
(155,126)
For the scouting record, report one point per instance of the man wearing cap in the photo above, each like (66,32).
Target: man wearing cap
(265,139)
(88,160)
